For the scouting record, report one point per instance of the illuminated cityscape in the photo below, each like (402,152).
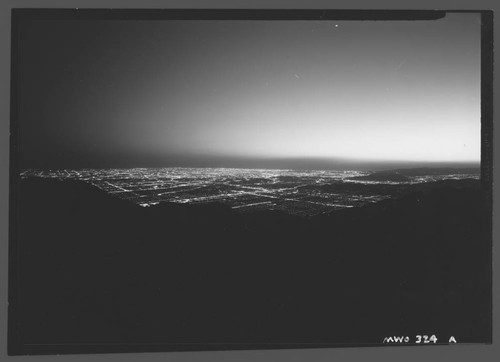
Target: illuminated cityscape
(295,192)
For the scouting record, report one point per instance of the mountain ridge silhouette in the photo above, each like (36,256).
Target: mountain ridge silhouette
(95,268)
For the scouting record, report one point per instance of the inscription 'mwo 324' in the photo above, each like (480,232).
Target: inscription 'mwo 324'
(419,339)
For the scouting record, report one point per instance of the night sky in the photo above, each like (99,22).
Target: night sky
(278,94)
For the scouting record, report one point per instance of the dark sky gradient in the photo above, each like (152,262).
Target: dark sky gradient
(292,94)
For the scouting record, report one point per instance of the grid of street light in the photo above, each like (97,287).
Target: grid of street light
(295,192)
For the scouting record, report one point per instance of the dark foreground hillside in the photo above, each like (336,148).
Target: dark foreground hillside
(100,273)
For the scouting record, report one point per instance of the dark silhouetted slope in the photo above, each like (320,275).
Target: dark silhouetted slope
(96,269)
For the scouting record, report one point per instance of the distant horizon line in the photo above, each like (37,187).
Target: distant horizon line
(124,161)
(454,167)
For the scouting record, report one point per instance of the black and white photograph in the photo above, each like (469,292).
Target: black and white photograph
(185,180)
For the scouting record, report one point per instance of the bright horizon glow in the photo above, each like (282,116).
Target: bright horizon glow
(353,102)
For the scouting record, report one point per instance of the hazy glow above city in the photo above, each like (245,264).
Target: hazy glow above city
(170,90)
